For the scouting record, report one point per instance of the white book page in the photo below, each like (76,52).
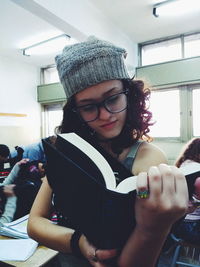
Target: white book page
(191,167)
(127,185)
(6,231)
(19,224)
(130,183)
(17,249)
(92,153)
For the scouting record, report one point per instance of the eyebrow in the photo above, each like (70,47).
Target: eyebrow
(82,101)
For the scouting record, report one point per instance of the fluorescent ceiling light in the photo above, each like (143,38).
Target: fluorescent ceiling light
(50,46)
(176,7)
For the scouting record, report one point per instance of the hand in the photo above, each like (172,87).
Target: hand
(167,200)
(197,188)
(195,201)
(9,190)
(22,161)
(89,252)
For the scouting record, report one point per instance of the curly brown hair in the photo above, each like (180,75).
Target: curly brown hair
(137,122)
(191,151)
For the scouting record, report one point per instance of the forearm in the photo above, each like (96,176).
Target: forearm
(142,249)
(10,179)
(9,211)
(46,233)
(41,228)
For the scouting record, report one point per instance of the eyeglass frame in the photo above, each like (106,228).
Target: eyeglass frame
(102,104)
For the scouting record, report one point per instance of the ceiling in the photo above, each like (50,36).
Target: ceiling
(133,17)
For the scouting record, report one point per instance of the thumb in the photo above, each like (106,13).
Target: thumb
(197,188)
(106,254)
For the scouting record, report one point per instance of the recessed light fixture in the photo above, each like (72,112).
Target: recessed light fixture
(176,7)
(49,46)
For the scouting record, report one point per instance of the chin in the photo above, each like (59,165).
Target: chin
(108,135)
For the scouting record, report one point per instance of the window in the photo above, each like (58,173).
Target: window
(192,45)
(50,75)
(176,113)
(196,111)
(165,106)
(161,51)
(53,114)
(158,51)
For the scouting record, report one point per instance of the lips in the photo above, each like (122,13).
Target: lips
(108,125)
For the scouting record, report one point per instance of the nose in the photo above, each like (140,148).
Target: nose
(104,114)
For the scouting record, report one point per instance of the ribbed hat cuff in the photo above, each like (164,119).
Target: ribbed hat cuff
(93,72)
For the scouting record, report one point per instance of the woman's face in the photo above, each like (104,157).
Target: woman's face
(107,125)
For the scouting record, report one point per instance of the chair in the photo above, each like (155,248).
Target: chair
(192,252)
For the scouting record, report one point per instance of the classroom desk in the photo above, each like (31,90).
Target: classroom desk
(41,256)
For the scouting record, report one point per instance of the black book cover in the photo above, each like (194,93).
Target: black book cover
(105,217)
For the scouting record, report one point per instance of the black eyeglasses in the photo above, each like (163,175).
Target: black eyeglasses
(114,104)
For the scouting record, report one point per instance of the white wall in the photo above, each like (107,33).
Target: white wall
(18,94)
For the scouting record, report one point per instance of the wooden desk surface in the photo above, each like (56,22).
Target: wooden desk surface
(41,256)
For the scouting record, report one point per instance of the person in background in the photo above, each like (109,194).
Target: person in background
(7,208)
(189,228)
(24,182)
(108,108)
(190,153)
(34,151)
(4,155)
(7,161)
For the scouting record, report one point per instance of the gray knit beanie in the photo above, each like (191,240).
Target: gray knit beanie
(88,63)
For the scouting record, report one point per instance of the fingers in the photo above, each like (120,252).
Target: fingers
(162,179)
(155,182)
(23,161)
(105,254)
(180,182)
(95,256)
(142,185)
(197,188)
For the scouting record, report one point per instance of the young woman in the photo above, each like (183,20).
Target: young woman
(107,108)
(189,228)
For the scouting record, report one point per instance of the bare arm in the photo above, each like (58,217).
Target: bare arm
(148,155)
(9,210)
(41,228)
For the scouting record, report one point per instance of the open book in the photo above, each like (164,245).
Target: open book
(94,163)
(85,190)
(20,248)
(16,229)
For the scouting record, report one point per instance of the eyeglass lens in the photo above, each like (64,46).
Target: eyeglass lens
(113,104)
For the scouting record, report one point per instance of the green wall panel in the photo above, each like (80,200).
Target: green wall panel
(175,72)
(48,93)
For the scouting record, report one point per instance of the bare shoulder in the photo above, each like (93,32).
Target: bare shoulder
(148,155)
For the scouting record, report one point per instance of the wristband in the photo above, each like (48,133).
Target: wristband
(75,245)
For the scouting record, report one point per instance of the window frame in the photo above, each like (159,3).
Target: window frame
(186,116)
(156,41)
(45,108)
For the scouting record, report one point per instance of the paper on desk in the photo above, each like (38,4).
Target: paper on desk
(16,229)
(17,249)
